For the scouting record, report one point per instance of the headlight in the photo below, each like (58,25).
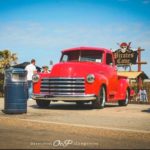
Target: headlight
(90,78)
(35,78)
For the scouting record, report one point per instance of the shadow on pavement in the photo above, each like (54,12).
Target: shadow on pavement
(71,106)
(147,110)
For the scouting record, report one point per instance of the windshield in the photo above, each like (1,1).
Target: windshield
(86,55)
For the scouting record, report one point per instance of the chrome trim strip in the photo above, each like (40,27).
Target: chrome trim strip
(62,89)
(62,93)
(88,97)
(62,85)
(75,82)
(64,78)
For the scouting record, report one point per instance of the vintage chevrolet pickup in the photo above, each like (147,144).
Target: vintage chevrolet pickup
(84,74)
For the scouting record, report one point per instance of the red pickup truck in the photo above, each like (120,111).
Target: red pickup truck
(83,75)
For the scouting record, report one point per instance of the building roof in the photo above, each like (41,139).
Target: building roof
(133,74)
(24,64)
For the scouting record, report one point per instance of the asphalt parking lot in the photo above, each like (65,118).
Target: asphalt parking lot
(64,125)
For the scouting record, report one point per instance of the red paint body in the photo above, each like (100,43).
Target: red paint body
(79,63)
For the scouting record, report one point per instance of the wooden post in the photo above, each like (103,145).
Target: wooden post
(139,59)
(139,62)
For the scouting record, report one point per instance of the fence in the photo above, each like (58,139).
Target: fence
(135,98)
(146,86)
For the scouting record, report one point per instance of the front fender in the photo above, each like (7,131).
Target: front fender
(94,88)
(122,87)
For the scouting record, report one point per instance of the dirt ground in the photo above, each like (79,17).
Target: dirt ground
(64,125)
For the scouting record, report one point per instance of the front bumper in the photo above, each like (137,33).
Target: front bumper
(87,97)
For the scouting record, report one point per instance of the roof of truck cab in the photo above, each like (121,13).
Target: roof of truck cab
(86,48)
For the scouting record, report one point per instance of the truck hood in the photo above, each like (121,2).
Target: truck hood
(74,69)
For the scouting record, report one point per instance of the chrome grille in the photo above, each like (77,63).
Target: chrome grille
(63,86)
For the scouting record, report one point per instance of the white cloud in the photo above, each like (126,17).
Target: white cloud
(146,2)
(46,40)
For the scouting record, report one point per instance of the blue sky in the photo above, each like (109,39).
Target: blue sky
(40,29)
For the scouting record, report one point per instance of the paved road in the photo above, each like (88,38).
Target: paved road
(65,125)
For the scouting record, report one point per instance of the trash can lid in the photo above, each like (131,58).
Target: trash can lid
(19,70)
(15,75)
(16,70)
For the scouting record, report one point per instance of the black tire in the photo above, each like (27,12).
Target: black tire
(125,101)
(80,103)
(43,103)
(99,103)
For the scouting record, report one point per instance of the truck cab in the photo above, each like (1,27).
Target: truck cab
(83,75)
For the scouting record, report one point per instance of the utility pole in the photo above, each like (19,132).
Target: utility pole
(139,62)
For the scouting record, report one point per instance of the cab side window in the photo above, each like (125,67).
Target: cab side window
(109,60)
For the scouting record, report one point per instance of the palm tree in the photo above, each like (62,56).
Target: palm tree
(7,59)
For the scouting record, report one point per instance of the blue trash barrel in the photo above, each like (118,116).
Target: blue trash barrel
(15,91)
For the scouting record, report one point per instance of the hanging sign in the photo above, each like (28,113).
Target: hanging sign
(125,55)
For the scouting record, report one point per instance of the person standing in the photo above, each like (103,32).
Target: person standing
(143,95)
(31,69)
(45,69)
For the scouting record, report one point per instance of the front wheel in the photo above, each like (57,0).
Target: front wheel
(125,101)
(43,103)
(99,103)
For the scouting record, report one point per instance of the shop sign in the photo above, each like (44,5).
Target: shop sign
(125,55)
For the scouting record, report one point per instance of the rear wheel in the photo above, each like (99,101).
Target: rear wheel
(99,103)
(43,103)
(125,101)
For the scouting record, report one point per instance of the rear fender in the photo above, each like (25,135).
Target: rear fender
(123,85)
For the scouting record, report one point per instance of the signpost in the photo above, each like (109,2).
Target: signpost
(125,56)
(139,63)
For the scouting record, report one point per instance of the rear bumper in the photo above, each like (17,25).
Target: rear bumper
(88,97)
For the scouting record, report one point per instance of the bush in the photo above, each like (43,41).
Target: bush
(1,84)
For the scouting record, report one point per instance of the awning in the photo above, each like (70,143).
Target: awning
(133,74)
